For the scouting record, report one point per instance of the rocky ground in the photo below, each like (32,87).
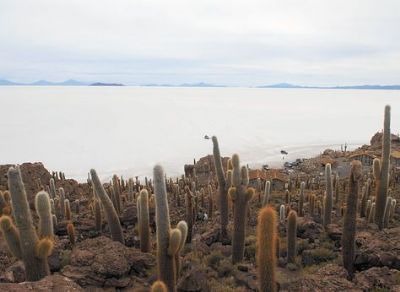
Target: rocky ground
(96,263)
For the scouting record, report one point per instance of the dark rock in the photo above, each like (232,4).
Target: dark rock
(50,283)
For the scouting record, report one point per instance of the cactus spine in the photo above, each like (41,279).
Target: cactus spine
(31,250)
(349,223)
(43,209)
(301,199)
(381,172)
(109,210)
(328,197)
(291,237)
(241,195)
(266,249)
(144,229)
(267,193)
(222,188)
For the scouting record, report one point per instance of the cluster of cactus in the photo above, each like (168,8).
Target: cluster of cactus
(349,223)
(381,172)
(109,210)
(5,203)
(240,194)
(22,239)
(169,241)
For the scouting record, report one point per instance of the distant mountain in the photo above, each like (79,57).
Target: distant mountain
(69,82)
(288,85)
(199,84)
(7,82)
(281,85)
(106,84)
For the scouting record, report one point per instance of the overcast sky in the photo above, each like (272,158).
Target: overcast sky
(241,43)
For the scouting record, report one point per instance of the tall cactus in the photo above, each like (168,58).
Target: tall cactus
(267,193)
(97,215)
(189,213)
(183,227)
(168,240)
(282,213)
(144,229)
(266,249)
(349,223)
(62,202)
(329,196)
(52,188)
(26,244)
(301,199)
(43,209)
(222,188)
(387,211)
(291,237)
(241,195)
(381,172)
(109,210)
(210,202)
(364,200)
(67,211)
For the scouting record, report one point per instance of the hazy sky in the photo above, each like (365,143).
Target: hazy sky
(313,42)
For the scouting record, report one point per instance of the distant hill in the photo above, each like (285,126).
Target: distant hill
(69,82)
(106,84)
(199,84)
(288,85)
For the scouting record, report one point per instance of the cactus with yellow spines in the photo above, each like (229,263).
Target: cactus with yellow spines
(350,216)
(266,249)
(71,233)
(143,215)
(168,240)
(241,195)
(22,239)
(109,210)
(159,286)
(183,227)
(381,172)
(327,219)
(223,188)
(43,209)
(267,193)
(301,199)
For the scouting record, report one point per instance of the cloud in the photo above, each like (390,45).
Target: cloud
(231,42)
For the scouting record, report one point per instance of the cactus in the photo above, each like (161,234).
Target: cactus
(241,195)
(52,188)
(368,209)
(67,210)
(97,215)
(267,193)
(109,210)
(337,190)
(26,244)
(71,233)
(387,212)
(312,205)
(364,200)
(183,228)
(349,223)
(189,213)
(287,197)
(301,199)
(328,196)
(62,202)
(210,202)
(55,223)
(381,172)
(392,209)
(117,190)
(43,209)
(371,213)
(282,213)
(159,286)
(130,189)
(291,237)
(222,188)
(168,240)
(143,215)
(266,249)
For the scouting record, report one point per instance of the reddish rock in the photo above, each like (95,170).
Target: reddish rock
(50,283)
